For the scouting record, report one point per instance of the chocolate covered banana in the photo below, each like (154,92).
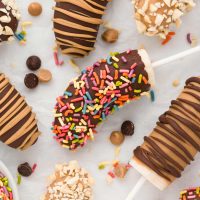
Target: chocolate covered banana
(175,140)
(97,92)
(156,17)
(18,126)
(76,24)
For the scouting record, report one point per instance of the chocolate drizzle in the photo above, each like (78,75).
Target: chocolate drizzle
(18,128)
(76,24)
(176,138)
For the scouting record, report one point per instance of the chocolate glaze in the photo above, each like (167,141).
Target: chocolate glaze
(177,129)
(132,57)
(76,24)
(17,114)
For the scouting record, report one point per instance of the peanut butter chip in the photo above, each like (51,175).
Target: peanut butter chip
(110,35)
(35,9)
(44,75)
(176,83)
(117,138)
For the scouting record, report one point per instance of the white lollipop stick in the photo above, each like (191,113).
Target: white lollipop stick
(142,180)
(176,57)
(136,188)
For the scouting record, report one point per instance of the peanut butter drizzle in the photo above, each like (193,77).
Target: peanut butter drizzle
(176,139)
(18,127)
(76,24)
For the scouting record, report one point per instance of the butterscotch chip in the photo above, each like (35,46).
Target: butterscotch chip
(176,83)
(110,35)
(44,75)
(35,9)
(117,138)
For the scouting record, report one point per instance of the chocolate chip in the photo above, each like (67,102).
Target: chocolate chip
(33,63)
(116,137)
(127,128)
(31,80)
(25,169)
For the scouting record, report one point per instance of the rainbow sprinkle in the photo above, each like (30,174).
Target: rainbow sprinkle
(96,93)
(5,190)
(190,194)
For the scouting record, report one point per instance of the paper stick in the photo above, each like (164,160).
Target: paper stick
(142,180)
(175,57)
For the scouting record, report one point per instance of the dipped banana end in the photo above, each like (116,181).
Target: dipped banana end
(156,17)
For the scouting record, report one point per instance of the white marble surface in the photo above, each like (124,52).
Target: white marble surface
(46,153)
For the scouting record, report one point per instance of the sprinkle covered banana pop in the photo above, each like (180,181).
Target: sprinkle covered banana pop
(100,90)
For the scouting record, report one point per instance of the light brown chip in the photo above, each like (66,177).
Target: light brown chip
(44,75)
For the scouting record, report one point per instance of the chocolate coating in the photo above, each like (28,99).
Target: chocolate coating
(76,24)
(8,20)
(18,127)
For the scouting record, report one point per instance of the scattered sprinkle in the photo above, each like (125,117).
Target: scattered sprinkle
(34,167)
(74,65)
(190,194)
(168,38)
(56,58)
(152,94)
(19,179)
(192,40)
(21,36)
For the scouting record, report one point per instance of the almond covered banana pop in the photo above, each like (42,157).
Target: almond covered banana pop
(155,17)
(97,92)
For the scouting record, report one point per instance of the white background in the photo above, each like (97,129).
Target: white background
(46,153)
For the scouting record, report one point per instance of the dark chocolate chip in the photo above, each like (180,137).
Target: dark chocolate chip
(33,63)
(127,128)
(25,169)
(31,80)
